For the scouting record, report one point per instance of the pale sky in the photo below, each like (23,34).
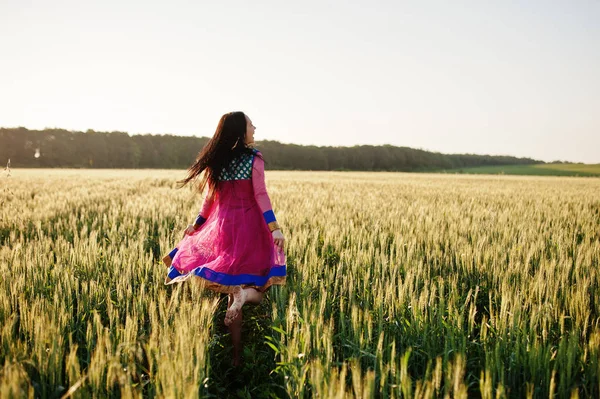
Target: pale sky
(500,77)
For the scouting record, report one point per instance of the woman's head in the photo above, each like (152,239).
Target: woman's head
(234,129)
(234,134)
(231,130)
(250,128)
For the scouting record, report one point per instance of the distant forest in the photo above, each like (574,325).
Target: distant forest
(60,148)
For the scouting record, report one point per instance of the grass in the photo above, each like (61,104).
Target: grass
(400,285)
(535,170)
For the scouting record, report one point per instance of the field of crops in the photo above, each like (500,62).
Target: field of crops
(548,169)
(399,285)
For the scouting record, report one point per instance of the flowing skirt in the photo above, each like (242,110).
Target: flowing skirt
(233,247)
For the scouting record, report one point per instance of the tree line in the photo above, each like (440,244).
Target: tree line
(71,149)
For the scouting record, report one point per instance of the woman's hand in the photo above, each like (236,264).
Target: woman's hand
(278,239)
(189,230)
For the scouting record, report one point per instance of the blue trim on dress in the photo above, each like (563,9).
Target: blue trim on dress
(200,220)
(173,252)
(269,216)
(231,279)
(172,273)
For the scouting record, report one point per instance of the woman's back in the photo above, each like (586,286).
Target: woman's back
(239,168)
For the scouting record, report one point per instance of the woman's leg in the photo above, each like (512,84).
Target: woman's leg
(235,328)
(253,296)
(233,319)
(240,297)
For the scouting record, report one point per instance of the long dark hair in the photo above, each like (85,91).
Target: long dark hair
(228,143)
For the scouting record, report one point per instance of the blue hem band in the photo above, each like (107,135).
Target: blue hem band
(173,252)
(230,279)
(173,273)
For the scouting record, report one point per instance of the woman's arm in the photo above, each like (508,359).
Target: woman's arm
(260,192)
(204,211)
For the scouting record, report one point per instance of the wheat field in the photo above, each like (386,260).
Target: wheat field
(399,285)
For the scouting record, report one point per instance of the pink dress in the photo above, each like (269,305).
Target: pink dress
(233,245)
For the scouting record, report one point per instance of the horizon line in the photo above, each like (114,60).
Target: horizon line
(305,145)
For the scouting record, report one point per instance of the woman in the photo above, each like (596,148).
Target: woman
(235,246)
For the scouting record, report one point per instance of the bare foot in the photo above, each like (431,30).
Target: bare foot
(239,298)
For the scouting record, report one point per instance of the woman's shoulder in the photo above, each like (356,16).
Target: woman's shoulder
(257,159)
(256,154)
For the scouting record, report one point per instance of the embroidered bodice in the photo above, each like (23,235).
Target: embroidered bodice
(239,168)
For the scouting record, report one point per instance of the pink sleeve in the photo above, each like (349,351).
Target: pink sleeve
(205,210)
(260,189)
(206,206)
